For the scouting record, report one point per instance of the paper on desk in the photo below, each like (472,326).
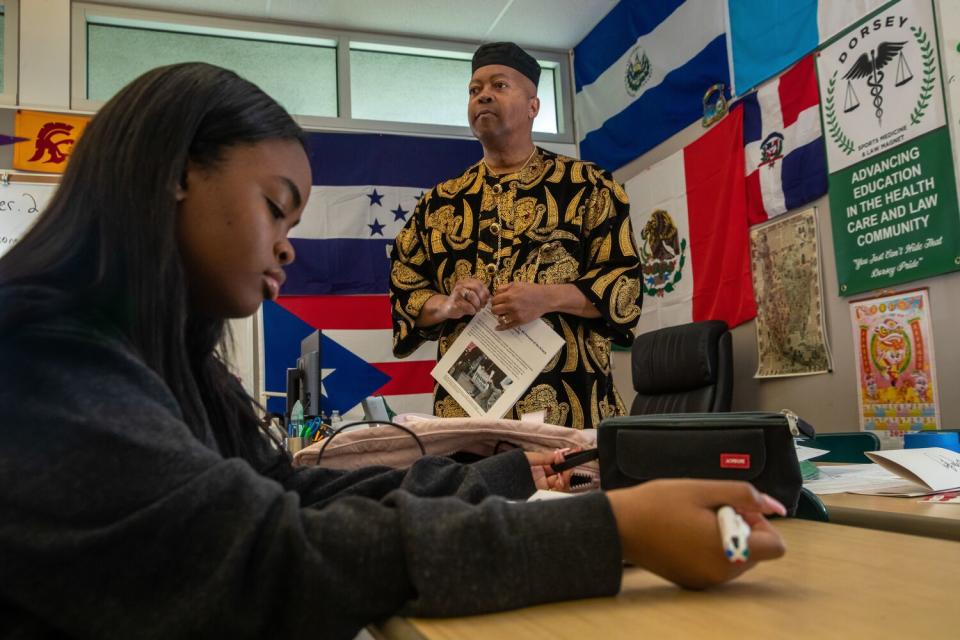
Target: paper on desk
(927,470)
(809,453)
(843,478)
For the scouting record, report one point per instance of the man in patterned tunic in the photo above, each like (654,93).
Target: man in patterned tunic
(539,235)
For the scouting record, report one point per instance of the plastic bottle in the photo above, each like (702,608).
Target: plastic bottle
(296,420)
(335,419)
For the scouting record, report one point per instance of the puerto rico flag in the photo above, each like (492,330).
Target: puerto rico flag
(689,214)
(365,187)
(784,155)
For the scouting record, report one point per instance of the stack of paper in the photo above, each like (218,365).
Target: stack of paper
(899,472)
(928,470)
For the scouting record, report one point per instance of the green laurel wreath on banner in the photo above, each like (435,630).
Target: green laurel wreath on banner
(929,74)
(836,133)
(677,274)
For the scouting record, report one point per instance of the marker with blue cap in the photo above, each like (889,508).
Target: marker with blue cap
(734,532)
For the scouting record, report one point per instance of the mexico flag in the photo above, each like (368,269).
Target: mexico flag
(690,215)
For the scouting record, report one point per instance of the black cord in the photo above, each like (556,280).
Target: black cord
(423,450)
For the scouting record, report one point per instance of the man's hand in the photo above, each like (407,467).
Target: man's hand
(517,303)
(467,297)
(670,528)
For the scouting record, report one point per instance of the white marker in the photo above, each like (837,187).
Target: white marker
(734,532)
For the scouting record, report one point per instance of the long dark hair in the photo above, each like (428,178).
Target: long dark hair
(106,248)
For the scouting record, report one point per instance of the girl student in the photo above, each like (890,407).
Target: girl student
(139,496)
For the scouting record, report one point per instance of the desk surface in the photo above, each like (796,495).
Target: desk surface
(902,515)
(835,581)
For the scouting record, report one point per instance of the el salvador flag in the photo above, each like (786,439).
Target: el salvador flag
(365,187)
(641,74)
(767,36)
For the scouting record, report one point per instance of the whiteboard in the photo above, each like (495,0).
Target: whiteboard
(20,206)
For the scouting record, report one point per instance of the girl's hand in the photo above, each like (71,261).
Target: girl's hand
(544,477)
(670,528)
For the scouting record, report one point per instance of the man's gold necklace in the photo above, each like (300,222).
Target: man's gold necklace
(507,201)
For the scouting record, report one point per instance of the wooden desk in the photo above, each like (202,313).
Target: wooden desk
(835,581)
(902,515)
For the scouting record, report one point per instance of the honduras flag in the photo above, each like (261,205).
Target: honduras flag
(767,36)
(365,187)
(641,74)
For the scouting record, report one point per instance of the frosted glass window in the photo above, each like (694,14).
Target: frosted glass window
(397,87)
(301,77)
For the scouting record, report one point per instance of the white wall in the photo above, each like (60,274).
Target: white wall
(44,75)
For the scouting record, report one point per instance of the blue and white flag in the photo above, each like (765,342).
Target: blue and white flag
(641,74)
(365,187)
(767,36)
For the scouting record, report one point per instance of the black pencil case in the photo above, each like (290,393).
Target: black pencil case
(755,446)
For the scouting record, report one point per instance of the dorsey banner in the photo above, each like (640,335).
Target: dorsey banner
(893,196)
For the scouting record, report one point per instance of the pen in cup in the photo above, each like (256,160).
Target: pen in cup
(734,532)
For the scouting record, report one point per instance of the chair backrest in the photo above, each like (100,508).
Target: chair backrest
(683,369)
(811,507)
(844,447)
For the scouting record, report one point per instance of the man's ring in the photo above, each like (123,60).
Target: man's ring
(503,319)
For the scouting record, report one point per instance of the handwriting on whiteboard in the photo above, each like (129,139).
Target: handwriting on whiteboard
(20,206)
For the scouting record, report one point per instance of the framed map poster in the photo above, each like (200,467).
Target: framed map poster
(896,373)
(785,263)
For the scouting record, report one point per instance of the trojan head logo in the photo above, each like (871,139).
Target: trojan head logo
(638,71)
(771,149)
(662,253)
(52,136)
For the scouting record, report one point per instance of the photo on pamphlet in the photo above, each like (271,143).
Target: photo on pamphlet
(479,377)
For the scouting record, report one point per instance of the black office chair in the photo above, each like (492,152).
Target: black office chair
(683,369)
(811,507)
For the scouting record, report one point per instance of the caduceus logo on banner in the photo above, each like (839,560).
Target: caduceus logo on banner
(887,68)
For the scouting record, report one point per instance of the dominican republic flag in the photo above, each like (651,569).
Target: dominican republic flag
(365,187)
(785,160)
(690,215)
(767,36)
(641,74)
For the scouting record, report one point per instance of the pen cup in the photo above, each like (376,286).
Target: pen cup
(943,439)
(295,444)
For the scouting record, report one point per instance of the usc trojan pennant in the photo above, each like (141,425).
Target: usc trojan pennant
(51,139)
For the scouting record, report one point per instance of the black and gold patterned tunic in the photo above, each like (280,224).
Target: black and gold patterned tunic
(557,220)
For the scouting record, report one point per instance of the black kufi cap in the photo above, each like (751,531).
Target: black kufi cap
(509,55)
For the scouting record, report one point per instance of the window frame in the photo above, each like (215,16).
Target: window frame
(83,12)
(11,52)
